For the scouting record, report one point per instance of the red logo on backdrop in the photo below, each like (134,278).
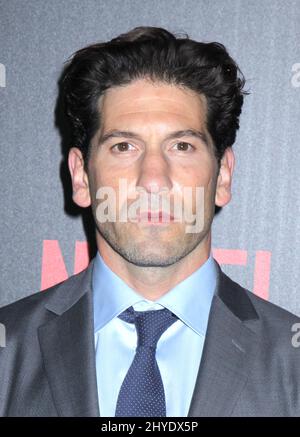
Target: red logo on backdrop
(54,269)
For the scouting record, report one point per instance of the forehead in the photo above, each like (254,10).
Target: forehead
(142,99)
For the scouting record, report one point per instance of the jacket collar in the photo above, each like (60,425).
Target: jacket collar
(67,347)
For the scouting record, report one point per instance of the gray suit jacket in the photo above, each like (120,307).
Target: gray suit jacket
(248,368)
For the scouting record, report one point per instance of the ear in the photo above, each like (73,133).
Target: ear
(80,182)
(223,189)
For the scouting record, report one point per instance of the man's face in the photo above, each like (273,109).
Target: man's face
(160,153)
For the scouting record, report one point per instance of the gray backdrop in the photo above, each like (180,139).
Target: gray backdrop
(256,237)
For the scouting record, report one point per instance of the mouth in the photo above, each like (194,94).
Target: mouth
(155,218)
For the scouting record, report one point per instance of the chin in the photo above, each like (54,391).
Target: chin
(142,258)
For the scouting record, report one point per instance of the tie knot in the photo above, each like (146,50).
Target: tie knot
(150,325)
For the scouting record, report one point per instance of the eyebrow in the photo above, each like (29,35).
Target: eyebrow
(176,134)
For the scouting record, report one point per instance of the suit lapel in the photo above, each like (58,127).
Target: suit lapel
(67,345)
(228,353)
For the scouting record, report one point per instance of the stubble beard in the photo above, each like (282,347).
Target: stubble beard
(153,250)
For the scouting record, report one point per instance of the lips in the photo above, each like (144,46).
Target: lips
(156,217)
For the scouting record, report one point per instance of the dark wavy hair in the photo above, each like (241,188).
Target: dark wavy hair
(154,53)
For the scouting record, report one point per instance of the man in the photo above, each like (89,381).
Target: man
(152,327)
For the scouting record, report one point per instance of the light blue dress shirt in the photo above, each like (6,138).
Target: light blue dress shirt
(179,349)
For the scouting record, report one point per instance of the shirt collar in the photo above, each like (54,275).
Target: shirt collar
(190,300)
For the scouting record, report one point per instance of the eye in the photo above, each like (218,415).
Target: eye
(184,147)
(121,147)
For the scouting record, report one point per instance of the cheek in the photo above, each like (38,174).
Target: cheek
(207,182)
(110,175)
(200,177)
(99,176)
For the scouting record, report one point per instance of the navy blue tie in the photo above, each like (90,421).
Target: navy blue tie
(142,391)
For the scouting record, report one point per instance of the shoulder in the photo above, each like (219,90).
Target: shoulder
(32,310)
(244,303)
(274,326)
(271,311)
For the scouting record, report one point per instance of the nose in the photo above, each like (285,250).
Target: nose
(154,172)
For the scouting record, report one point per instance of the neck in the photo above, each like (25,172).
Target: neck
(153,282)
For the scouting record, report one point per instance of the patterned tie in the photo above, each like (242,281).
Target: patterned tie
(142,391)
